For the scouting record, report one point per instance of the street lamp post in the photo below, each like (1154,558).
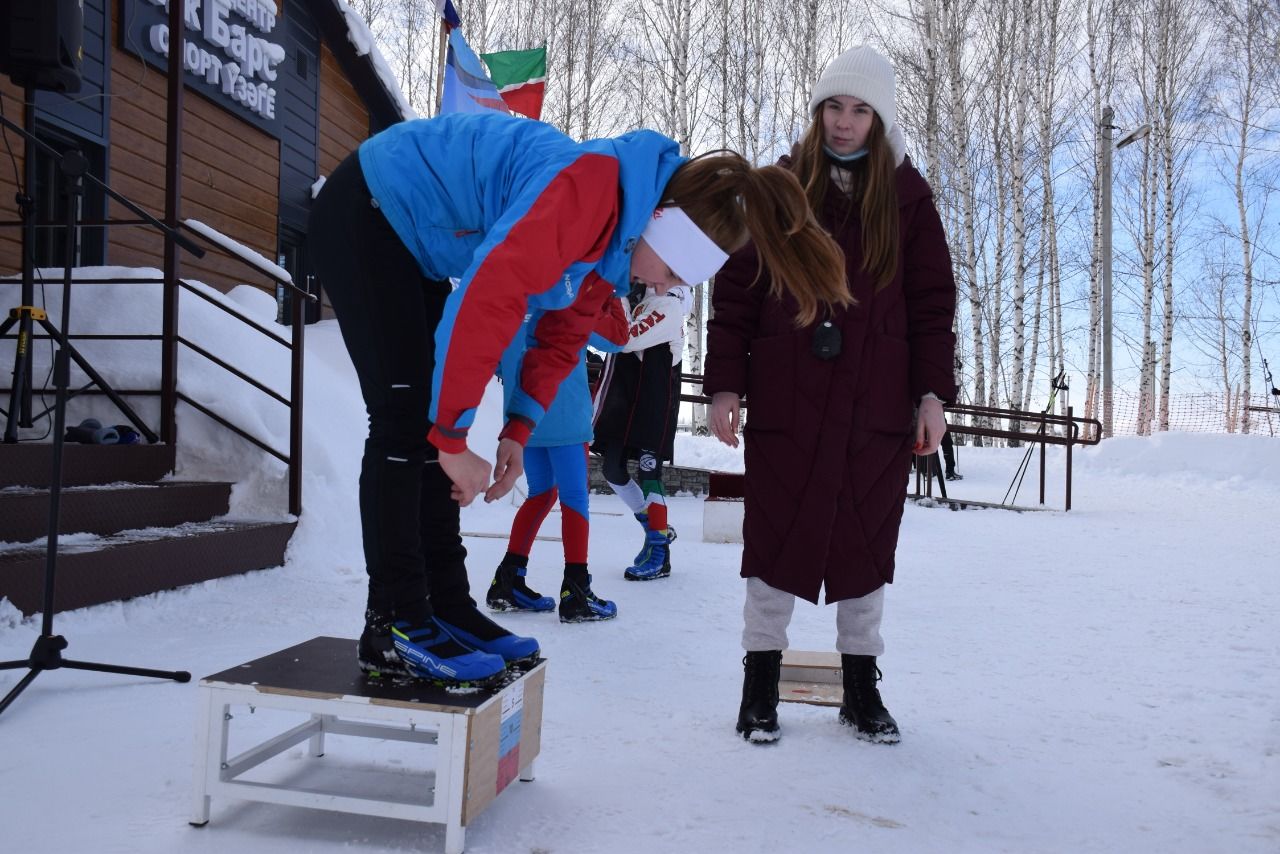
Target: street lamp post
(1104,180)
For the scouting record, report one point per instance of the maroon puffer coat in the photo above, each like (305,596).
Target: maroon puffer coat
(828,442)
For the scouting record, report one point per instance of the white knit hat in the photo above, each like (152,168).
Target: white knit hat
(860,72)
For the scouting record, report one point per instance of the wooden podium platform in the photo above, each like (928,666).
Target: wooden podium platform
(482,740)
(814,678)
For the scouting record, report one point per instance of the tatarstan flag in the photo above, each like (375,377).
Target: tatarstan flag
(521,78)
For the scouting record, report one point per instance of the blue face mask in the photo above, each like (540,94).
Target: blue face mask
(845,158)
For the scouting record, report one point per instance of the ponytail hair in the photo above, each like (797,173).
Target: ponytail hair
(733,202)
(875,190)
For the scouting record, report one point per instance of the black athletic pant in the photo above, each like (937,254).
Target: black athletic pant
(388,312)
(613,463)
(948,451)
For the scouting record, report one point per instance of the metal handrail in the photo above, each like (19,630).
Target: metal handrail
(1044,419)
(262,387)
(233,428)
(1074,431)
(291,458)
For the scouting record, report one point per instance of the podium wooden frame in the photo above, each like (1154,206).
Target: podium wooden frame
(483,740)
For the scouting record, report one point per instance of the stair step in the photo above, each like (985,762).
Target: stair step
(93,570)
(24,511)
(31,463)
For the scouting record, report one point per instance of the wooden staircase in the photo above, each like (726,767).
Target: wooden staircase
(123,531)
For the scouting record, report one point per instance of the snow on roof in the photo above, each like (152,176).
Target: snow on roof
(359,35)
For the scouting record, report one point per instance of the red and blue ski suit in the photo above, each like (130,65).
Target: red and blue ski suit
(433,243)
(525,219)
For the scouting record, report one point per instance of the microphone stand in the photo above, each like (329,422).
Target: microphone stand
(46,654)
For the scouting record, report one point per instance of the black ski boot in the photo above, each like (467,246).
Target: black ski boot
(376,652)
(863,709)
(758,715)
(510,592)
(578,604)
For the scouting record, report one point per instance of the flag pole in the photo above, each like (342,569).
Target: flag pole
(440,58)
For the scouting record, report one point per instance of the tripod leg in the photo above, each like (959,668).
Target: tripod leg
(18,689)
(124,408)
(935,463)
(21,371)
(175,675)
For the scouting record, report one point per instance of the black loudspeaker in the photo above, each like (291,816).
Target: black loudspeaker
(42,43)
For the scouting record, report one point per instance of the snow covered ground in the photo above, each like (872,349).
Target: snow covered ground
(1101,680)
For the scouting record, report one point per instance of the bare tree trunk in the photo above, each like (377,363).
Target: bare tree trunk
(1147,251)
(1224,354)
(1003,32)
(1050,274)
(1022,70)
(1100,21)
(1247,25)
(955,16)
(1166,93)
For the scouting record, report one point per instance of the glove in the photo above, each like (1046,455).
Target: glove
(91,432)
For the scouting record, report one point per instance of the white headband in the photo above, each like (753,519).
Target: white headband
(683,246)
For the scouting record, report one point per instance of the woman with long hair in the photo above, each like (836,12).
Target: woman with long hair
(526,221)
(839,392)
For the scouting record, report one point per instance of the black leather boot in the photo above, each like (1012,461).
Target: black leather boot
(758,715)
(863,709)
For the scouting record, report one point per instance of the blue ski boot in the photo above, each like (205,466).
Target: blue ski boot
(654,560)
(475,630)
(423,650)
(643,518)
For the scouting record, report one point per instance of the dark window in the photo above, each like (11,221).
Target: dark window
(293,257)
(48,193)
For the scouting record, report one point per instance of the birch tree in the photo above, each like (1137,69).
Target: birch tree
(1213,328)
(1101,37)
(1249,39)
(1180,94)
(1049,119)
(1000,27)
(670,43)
(410,37)
(955,16)
(1024,69)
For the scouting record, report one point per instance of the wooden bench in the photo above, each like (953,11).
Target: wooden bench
(482,740)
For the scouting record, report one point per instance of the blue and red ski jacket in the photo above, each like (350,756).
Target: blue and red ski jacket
(568,418)
(527,220)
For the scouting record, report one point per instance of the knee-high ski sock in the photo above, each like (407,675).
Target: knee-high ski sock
(655,504)
(631,494)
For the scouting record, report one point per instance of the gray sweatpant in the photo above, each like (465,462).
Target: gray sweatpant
(767,613)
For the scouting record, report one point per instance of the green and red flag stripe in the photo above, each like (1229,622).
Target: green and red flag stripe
(521,78)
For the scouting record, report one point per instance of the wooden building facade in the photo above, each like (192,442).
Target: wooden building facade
(275,95)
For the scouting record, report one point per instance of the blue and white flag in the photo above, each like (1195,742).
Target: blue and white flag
(445,9)
(467,87)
